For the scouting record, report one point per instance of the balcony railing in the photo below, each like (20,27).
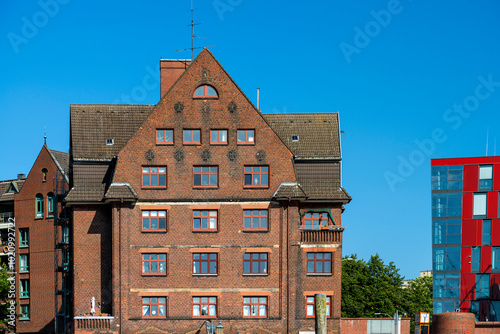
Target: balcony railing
(332,235)
(5,216)
(93,322)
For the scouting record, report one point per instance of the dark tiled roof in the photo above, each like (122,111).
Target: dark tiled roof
(289,190)
(90,182)
(93,124)
(121,190)
(5,186)
(318,134)
(61,159)
(321,180)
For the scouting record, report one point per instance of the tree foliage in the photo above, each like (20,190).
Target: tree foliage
(370,287)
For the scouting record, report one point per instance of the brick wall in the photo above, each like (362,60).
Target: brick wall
(41,247)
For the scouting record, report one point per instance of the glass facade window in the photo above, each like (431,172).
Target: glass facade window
(495,259)
(479,209)
(494,311)
(485,177)
(446,231)
(446,285)
(446,204)
(476,259)
(443,306)
(486,232)
(446,177)
(482,286)
(446,258)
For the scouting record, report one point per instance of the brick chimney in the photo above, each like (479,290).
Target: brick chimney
(170,71)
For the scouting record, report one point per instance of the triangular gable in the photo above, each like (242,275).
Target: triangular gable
(13,187)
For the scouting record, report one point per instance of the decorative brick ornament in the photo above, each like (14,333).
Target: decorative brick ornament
(179,155)
(150,156)
(179,107)
(261,155)
(232,107)
(232,155)
(205,155)
(205,107)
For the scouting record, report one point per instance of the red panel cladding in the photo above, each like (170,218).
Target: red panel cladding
(468,286)
(495,286)
(470,233)
(467,204)
(486,259)
(495,232)
(471,177)
(465,306)
(466,259)
(496,177)
(492,211)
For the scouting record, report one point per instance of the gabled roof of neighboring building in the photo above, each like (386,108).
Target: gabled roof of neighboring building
(92,125)
(5,186)
(61,159)
(315,135)
(90,182)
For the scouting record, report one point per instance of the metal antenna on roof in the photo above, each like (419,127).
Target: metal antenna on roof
(487,133)
(45,136)
(193,36)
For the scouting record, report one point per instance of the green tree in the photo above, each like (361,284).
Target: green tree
(5,299)
(418,298)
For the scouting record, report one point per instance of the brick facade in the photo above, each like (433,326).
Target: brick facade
(40,251)
(110,241)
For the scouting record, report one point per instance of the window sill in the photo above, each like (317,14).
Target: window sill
(205,97)
(319,274)
(255,187)
(191,144)
(24,297)
(247,274)
(164,144)
(24,319)
(256,231)
(154,187)
(211,275)
(38,218)
(154,231)
(153,275)
(24,272)
(205,231)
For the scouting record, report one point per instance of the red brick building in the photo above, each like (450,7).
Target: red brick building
(203,208)
(42,246)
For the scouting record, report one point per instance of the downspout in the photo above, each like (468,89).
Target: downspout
(287,269)
(281,266)
(120,258)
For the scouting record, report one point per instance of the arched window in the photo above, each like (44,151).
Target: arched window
(205,91)
(44,175)
(39,206)
(50,204)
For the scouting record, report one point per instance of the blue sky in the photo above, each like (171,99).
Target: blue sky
(411,79)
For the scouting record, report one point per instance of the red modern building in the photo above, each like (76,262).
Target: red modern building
(466,236)
(202,208)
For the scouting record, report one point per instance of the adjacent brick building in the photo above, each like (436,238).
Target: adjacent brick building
(203,208)
(42,245)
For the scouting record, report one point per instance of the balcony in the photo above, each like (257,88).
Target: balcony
(4,219)
(93,322)
(325,235)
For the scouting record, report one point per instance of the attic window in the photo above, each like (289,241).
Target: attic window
(110,141)
(295,138)
(205,91)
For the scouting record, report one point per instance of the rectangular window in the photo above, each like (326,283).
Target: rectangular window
(39,206)
(446,177)
(24,263)
(205,220)
(154,177)
(319,263)
(486,232)
(24,237)
(205,176)
(50,205)
(25,312)
(191,137)
(153,221)
(446,204)
(446,231)
(446,258)
(65,234)
(254,307)
(479,205)
(256,176)
(255,263)
(495,260)
(218,137)
(485,177)
(476,259)
(154,307)
(204,307)
(25,288)
(482,286)
(255,220)
(205,264)
(311,309)
(154,264)
(315,220)
(165,136)
(246,137)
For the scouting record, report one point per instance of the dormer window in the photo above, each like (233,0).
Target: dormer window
(295,138)
(110,141)
(205,91)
